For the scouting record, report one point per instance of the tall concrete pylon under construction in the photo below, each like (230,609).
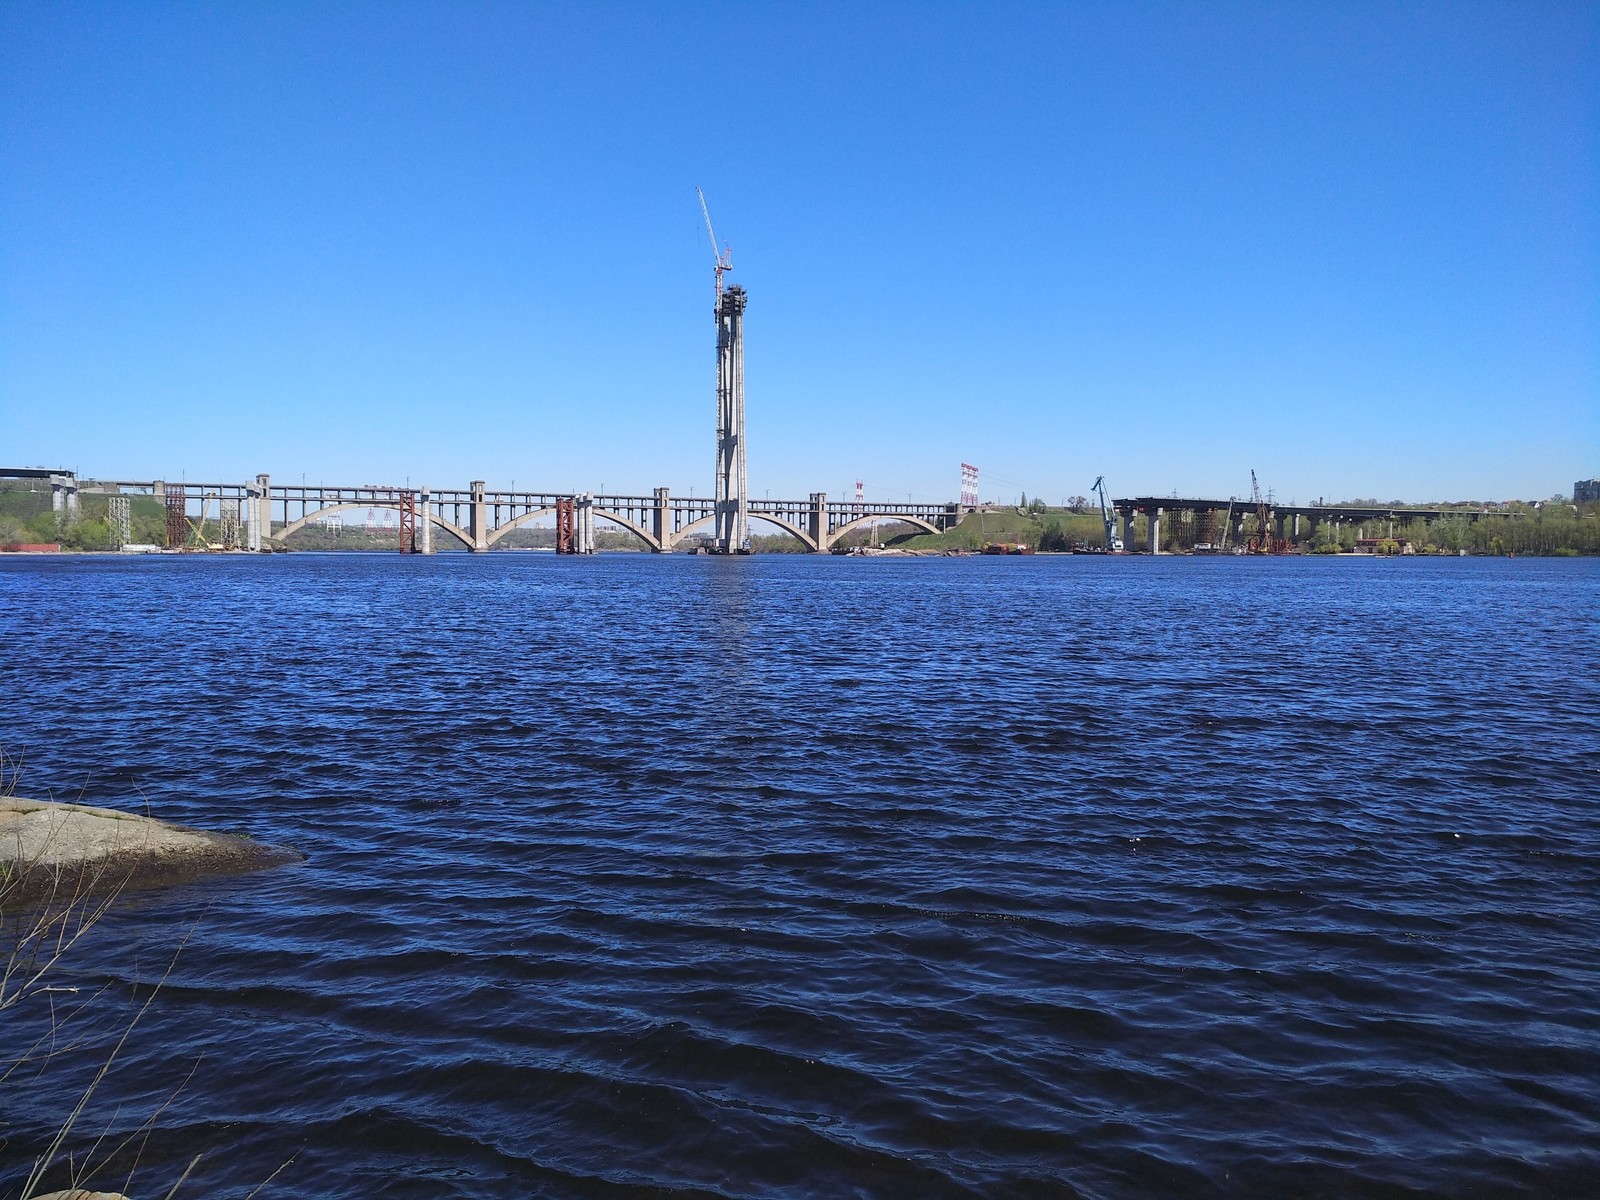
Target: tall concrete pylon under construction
(732,524)
(732,492)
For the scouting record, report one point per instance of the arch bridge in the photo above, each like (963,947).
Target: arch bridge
(480,517)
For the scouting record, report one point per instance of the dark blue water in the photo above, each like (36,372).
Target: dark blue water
(831,877)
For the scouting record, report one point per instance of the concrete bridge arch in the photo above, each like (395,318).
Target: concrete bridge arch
(500,531)
(788,527)
(861,522)
(633,527)
(328,510)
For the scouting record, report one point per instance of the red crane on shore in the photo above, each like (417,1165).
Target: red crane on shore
(1263,542)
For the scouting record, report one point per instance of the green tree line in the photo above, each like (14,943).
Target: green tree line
(26,516)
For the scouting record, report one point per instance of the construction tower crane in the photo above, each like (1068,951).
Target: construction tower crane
(1113,542)
(1263,542)
(722,258)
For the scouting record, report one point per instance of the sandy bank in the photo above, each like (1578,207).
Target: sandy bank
(46,848)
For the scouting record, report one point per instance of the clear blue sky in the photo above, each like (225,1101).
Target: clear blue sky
(1353,246)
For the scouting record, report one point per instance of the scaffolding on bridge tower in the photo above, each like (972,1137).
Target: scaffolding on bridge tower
(732,492)
(120,520)
(408,522)
(228,522)
(177,500)
(566,522)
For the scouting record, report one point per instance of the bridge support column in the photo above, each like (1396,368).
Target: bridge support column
(661,521)
(1127,529)
(732,492)
(425,515)
(1154,517)
(817,522)
(263,515)
(1297,527)
(252,515)
(585,524)
(64,496)
(479,518)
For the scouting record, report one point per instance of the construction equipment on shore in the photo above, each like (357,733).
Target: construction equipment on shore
(1263,541)
(1008,548)
(1113,542)
(197,539)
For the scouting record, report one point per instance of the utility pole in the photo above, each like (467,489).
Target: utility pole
(732,500)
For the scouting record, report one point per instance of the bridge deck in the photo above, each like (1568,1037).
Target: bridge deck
(1341,512)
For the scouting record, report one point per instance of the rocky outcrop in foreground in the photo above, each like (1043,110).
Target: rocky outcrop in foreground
(51,849)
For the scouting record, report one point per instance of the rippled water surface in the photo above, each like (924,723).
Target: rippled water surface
(803,877)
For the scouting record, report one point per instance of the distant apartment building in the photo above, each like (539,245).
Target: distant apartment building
(1585,491)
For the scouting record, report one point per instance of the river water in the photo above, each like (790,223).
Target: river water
(816,877)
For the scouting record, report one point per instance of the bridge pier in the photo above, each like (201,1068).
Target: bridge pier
(1154,517)
(478,512)
(425,511)
(247,515)
(732,486)
(585,524)
(64,496)
(661,521)
(1127,528)
(264,511)
(817,522)
(252,514)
